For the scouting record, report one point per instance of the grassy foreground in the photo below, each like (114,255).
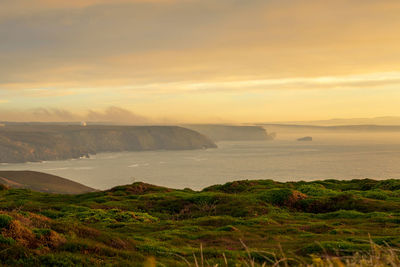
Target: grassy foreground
(244,223)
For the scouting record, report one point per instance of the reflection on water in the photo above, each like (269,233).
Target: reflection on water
(279,160)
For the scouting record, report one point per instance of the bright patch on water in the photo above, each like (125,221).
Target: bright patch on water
(279,160)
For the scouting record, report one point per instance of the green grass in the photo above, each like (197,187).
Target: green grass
(130,225)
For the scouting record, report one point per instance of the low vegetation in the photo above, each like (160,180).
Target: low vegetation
(243,223)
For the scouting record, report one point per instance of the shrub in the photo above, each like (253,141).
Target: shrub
(3,187)
(390,184)
(318,228)
(5,220)
(227,228)
(343,201)
(65,260)
(335,247)
(6,240)
(216,221)
(41,232)
(53,214)
(376,194)
(233,187)
(342,231)
(342,214)
(316,190)
(277,197)
(113,216)
(396,193)
(74,246)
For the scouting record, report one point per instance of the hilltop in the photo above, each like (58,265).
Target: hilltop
(30,143)
(132,224)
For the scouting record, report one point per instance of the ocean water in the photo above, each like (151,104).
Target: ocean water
(196,169)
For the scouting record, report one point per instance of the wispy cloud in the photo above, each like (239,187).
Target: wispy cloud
(147,54)
(301,83)
(196,40)
(12,8)
(109,115)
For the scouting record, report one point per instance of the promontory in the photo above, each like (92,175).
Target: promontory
(32,142)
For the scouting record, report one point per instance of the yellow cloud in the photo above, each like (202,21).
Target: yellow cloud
(214,51)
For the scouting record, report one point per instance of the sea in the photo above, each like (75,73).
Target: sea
(280,160)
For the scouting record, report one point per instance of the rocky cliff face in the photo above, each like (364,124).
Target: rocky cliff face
(23,143)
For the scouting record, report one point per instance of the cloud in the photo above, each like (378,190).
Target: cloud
(113,115)
(12,8)
(366,81)
(303,83)
(156,41)
(192,57)
(116,115)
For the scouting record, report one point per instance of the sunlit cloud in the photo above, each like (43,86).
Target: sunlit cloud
(359,81)
(175,58)
(110,114)
(370,80)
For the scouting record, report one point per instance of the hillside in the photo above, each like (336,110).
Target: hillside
(232,132)
(302,222)
(42,182)
(23,143)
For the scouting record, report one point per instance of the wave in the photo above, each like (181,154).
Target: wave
(84,168)
(133,166)
(57,169)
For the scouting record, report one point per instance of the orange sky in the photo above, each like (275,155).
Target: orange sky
(200,61)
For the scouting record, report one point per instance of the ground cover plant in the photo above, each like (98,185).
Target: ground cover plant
(243,223)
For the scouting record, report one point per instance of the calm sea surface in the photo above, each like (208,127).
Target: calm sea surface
(279,160)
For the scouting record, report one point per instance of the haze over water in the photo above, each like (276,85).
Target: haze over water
(281,160)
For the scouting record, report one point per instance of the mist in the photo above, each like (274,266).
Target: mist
(110,115)
(351,134)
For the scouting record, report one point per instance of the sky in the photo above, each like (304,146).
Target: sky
(199,61)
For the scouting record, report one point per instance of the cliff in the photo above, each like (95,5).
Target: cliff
(23,143)
(232,133)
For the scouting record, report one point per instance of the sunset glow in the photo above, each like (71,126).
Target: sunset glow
(200,61)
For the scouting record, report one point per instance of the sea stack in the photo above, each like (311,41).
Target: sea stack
(305,139)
